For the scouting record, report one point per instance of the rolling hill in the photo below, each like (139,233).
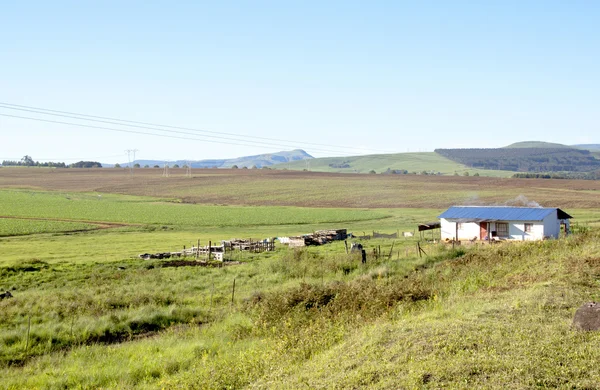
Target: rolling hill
(540,159)
(260,160)
(412,162)
(536,144)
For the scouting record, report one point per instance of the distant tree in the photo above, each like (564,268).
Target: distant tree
(175,165)
(476,174)
(117,165)
(156,166)
(27,161)
(254,167)
(86,164)
(146,166)
(184,166)
(244,167)
(234,167)
(372,172)
(136,165)
(466,173)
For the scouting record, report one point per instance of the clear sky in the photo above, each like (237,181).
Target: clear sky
(374,76)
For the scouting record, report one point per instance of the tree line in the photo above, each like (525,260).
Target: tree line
(525,159)
(27,161)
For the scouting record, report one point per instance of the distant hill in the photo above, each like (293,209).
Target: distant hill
(591,147)
(536,144)
(537,159)
(260,160)
(429,162)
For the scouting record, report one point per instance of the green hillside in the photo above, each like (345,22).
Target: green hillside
(412,162)
(536,144)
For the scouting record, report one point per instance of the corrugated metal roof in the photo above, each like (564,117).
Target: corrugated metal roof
(500,213)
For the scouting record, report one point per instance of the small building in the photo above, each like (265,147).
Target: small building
(502,223)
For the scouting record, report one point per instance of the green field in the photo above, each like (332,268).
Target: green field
(18,227)
(133,210)
(412,162)
(86,312)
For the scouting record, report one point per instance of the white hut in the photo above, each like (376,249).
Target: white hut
(501,222)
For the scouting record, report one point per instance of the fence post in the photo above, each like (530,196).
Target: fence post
(233,292)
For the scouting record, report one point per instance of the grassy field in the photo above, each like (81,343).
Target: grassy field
(412,162)
(87,313)
(137,211)
(18,227)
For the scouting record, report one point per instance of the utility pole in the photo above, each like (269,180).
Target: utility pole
(188,170)
(166,170)
(129,151)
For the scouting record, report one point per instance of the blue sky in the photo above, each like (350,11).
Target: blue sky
(370,77)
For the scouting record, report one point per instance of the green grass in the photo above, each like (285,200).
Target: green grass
(483,316)
(113,245)
(132,210)
(412,162)
(477,316)
(18,227)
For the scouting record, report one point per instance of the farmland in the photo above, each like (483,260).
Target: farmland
(307,189)
(18,226)
(88,313)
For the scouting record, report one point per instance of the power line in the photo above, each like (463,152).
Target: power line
(262,145)
(157,127)
(246,143)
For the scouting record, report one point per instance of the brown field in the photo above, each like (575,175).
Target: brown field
(313,189)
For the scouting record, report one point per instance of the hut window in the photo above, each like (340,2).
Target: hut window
(528,227)
(502,229)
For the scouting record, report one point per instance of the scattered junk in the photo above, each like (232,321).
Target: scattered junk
(212,252)
(319,237)
(209,252)
(266,245)
(283,240)
(383,235)
(6,295)
(587,317)
(407,234)
(430,226)
(358,248)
